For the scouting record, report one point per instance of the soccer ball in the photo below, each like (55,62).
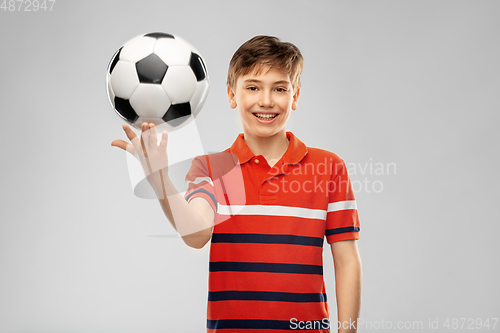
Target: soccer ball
(158,78)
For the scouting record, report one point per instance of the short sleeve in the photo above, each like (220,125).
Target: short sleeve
(200,182)
(342,220)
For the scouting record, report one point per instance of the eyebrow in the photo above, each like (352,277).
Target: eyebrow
(258,81)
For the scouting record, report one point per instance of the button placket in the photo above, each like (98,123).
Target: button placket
(276,171)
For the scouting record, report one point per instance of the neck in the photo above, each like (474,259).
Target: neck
(272,147)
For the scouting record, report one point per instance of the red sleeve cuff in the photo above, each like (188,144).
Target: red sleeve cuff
(343,236)
(199,194)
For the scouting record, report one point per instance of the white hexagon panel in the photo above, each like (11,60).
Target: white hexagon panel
(150,100)
(159,78)
(179,84)
(124,79)
(173,51)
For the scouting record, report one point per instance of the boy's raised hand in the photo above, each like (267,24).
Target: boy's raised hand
(153,157)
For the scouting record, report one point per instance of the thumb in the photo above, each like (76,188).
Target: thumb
(120,144)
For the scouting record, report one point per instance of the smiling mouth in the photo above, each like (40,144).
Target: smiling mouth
(265,116)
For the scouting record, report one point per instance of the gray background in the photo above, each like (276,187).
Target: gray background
(413,83)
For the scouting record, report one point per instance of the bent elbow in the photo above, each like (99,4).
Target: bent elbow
(196,245)
(197,240)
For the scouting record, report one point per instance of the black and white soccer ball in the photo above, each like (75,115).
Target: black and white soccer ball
(158,78)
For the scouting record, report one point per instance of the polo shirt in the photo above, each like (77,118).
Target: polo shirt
(266,251)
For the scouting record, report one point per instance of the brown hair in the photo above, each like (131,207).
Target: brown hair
(263,51)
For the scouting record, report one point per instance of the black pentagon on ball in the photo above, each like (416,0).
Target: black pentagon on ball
(151,69)
(177,114)
(198,67)
(114,60)
(124,109)
(158,35)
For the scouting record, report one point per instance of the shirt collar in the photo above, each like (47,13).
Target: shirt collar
(294,154)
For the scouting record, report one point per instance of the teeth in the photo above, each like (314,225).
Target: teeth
(265,115)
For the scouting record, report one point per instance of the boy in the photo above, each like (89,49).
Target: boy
(267,209)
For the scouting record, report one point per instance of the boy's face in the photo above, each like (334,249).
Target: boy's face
(264,101)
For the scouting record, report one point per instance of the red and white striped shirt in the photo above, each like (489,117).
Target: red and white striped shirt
(266,252)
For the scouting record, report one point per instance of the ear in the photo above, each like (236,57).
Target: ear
(231,97)
(295,99)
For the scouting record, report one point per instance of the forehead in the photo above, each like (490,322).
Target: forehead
(265,73)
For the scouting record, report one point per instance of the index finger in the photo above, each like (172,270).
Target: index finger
(135,141)
(130,134)
(153,136)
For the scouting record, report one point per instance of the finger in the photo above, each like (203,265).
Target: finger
(144,146)
(144,138)
(134,147)
(132,137)
(152,137)
(120,144)
(163,149)
(131,150)
(130,134)
(163,142)
(127,146)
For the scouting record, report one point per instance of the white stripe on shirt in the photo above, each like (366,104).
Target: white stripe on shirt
(342,205)
(201,179)
(269,210)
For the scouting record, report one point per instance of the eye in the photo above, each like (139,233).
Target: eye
(281,89)
(252,88)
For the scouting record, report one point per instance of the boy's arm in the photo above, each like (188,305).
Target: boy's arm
(193,221)
(348,280)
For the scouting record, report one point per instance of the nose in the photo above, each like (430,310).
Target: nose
(266,100)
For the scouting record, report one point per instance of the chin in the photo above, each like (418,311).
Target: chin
(264,133)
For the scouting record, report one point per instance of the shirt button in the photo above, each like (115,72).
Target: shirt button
(256,161)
